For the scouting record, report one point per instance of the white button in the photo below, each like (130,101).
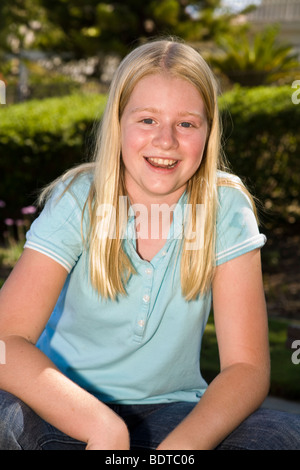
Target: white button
(164,253)
(141,323)
(146,298)
(148,271)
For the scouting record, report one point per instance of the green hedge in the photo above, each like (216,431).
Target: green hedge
(40,139)
(262,143)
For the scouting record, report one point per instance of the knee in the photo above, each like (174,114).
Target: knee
(266,430)
(281,429)
(11,421)
(287,426)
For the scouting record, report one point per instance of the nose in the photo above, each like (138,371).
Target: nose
(165,137)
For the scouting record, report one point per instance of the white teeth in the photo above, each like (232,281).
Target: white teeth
(162,161)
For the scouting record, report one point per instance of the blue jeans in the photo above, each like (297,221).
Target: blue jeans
(22,429)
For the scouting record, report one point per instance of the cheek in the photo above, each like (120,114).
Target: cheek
(130,151)
(196,149)
(131,142)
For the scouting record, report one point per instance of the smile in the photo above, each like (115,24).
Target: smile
(161,162)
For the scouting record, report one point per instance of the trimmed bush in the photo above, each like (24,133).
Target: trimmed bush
(41,139)
(262,143)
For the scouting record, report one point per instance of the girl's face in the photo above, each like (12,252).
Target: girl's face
(163,131)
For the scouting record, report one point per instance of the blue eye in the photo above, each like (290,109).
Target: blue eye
(148,121)
(186,124)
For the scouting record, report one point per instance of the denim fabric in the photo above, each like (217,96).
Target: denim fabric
(22,429)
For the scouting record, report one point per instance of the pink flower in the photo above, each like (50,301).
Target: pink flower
(9,222)
(2,204)
(28,210)
(19,222)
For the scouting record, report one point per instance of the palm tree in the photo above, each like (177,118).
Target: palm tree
(255,61)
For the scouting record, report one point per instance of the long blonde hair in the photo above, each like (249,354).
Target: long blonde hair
(109,265)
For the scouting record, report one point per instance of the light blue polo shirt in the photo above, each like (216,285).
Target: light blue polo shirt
(144,347)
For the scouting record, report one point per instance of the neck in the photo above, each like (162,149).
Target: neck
(151,201)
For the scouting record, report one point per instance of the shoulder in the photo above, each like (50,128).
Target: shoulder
(231,188)
(237,227)
(65,203)
(67,196)
(59,230)
(234,201)
(76,188)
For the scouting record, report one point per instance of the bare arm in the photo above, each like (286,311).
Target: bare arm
(26,302)
(242,333)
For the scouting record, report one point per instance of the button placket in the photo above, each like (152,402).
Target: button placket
(143,314)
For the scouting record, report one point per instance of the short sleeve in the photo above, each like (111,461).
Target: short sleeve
(237,228)
(57,232)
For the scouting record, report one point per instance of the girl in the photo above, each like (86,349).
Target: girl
(103,315)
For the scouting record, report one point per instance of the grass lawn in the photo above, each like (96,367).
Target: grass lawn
(285,375)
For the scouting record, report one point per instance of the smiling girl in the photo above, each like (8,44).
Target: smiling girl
(103,328)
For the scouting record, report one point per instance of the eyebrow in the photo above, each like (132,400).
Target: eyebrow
(141,109)
(157,111)
(192,113)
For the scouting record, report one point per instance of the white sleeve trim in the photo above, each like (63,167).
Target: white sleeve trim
(256,241)
(51,254)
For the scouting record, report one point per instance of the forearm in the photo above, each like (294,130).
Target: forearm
(231,397)
(31,376)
